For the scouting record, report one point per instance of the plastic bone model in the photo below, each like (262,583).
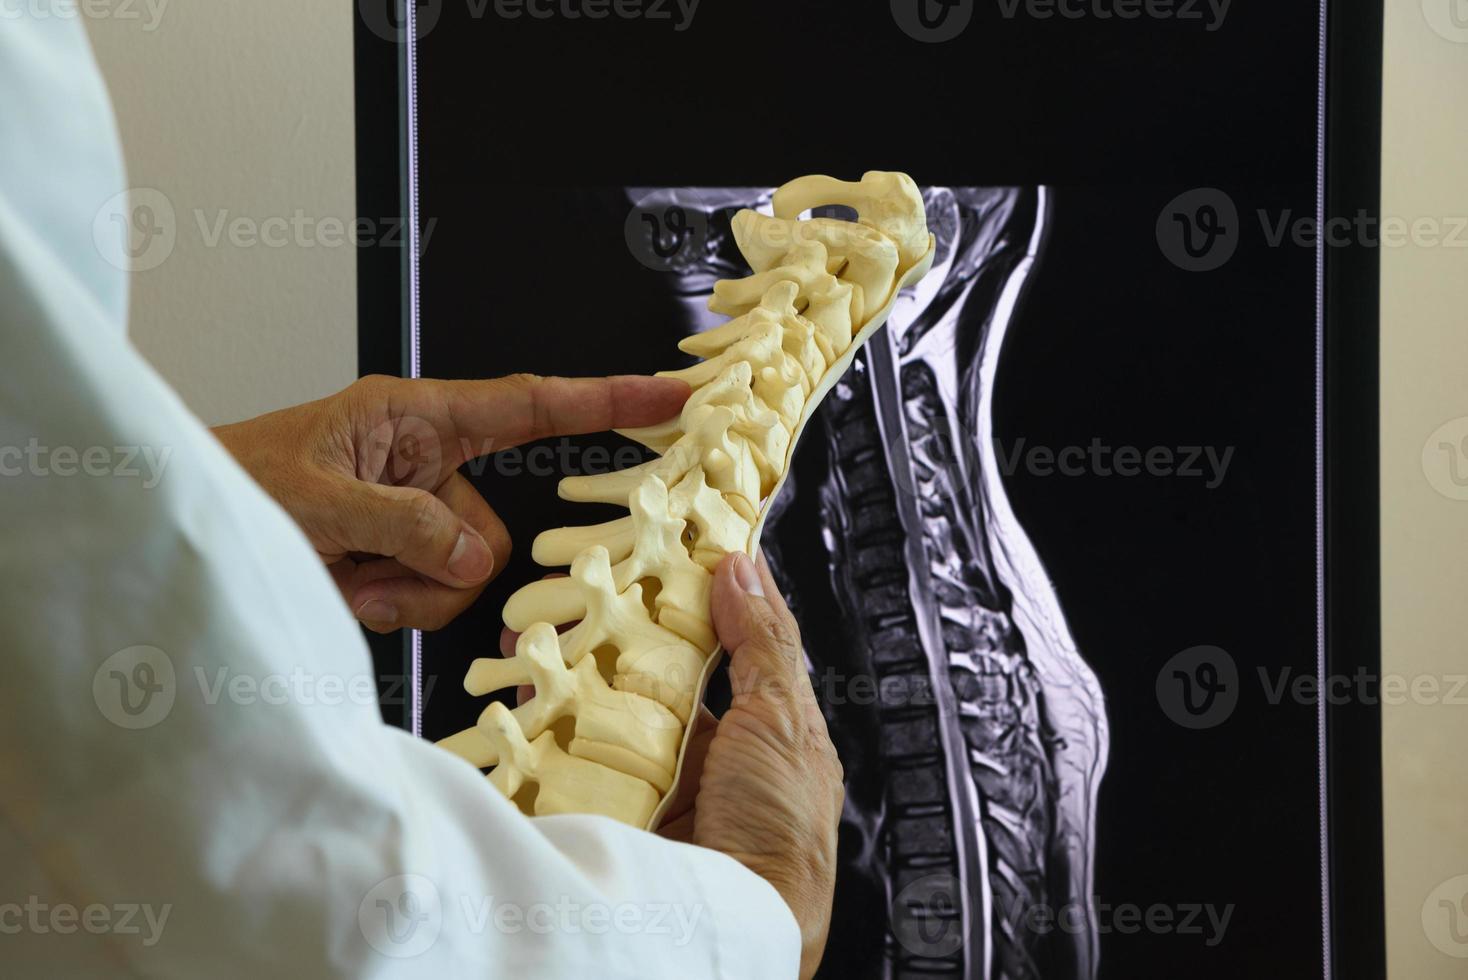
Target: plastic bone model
(606,728)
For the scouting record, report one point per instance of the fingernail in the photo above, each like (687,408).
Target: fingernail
(472,561)
(747,577)
(378,612)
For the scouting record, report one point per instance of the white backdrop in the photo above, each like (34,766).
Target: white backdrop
(1424,373)
(240,115)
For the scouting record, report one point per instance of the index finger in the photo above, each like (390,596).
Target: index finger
(503,412)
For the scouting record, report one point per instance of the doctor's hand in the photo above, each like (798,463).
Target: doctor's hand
(371,475)
(763,784)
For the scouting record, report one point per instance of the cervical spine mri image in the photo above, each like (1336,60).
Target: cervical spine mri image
(973,733)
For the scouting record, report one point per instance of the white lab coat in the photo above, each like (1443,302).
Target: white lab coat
(192,783)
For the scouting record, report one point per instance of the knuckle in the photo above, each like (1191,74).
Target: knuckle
(835,780)
(361,400)
(536,421)
(781,635)
(769,672)
(421,515)
(371,385)
(823,751)
(837,770)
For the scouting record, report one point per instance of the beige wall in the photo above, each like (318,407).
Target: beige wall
(246,108)
(241,111)
(1424,533)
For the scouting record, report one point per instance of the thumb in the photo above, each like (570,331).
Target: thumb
(413,526)
(755,626)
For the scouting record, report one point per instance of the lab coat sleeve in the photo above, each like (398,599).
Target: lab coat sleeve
(191,758)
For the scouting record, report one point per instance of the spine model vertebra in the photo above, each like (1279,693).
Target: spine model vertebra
(614,693)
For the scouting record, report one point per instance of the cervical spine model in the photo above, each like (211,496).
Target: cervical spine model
(605,730)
